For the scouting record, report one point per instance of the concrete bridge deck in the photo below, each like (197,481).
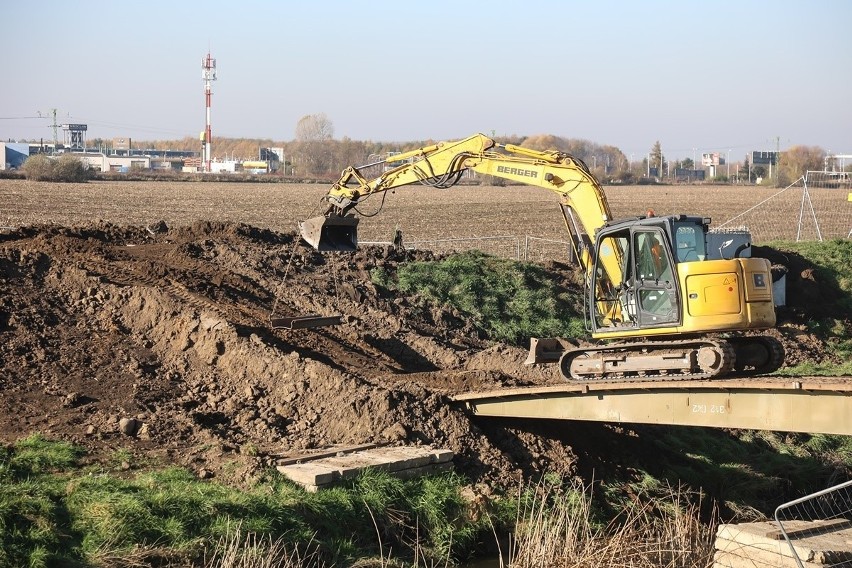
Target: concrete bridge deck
(800,404)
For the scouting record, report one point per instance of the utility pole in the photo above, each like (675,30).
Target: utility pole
(777,155)
(52,112)
(728,164)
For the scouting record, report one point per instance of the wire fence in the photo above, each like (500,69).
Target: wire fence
(800,212)
(818,527)
(526,248)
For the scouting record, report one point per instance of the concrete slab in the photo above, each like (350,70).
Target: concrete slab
(730,554)
(818,543)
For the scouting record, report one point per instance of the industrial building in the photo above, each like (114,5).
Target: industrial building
(121,158)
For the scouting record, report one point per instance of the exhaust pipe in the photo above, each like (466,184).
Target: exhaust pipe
(335,234)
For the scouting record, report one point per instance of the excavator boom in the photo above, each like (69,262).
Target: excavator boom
(441,165)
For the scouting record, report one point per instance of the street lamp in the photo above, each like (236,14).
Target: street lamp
(728,164)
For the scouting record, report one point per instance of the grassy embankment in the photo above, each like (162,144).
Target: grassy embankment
(832,264)
(511,301)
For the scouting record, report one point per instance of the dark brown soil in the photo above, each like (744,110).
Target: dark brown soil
(156,341)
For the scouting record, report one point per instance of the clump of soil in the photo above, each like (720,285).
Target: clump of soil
(157,341)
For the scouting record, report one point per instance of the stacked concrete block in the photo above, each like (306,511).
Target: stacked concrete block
(402,461)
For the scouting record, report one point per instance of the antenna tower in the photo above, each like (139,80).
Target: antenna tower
(208,73)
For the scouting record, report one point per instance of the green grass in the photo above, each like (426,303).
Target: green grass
(55,512)
(832,261)
(506,300)
(823,369)
(746,472)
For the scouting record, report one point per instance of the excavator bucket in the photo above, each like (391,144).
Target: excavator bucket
(547,350)
(336,234)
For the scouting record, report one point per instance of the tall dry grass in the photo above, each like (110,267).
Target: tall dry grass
(557,528)
(244,549)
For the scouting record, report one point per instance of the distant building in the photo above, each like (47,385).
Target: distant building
(13,154)
(225,167)
(99,162)
(684,175)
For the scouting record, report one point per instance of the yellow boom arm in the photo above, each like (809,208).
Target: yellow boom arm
(585,208)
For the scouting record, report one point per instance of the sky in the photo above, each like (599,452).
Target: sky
(727,76)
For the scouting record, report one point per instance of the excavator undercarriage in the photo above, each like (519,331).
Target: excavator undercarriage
(700,358)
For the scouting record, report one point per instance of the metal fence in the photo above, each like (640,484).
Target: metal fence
(824,514)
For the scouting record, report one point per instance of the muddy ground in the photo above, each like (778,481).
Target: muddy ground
(154,342)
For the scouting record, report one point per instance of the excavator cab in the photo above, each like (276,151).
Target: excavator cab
(331,234)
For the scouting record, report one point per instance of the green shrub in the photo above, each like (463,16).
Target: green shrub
(69,168)
(66,168)
(38,168)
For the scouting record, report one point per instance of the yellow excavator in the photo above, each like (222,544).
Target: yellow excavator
(662,304)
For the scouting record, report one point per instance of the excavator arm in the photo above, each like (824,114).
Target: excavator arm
(441,165)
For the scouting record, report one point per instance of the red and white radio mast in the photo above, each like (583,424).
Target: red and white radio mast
(208,73)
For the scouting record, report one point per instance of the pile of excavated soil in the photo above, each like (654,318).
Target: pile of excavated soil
(157,342)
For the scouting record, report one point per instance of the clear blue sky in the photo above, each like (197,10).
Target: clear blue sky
(697,76)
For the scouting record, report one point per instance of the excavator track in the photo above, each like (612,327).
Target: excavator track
(657,360)
(757,355)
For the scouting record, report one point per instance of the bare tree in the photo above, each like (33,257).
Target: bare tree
(657,159)
(796,161)
(314,140)
(314,128)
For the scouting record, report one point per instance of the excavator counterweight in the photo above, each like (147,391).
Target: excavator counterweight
(331,234)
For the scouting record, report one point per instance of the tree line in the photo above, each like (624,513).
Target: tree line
(316,153)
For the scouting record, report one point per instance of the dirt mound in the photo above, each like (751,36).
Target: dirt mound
(809,297)
(157,342)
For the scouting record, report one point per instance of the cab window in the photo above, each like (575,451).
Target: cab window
(652,262)
(689,243)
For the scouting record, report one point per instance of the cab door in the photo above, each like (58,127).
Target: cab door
(653,278)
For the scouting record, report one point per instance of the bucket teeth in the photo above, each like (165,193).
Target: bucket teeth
(336,234)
